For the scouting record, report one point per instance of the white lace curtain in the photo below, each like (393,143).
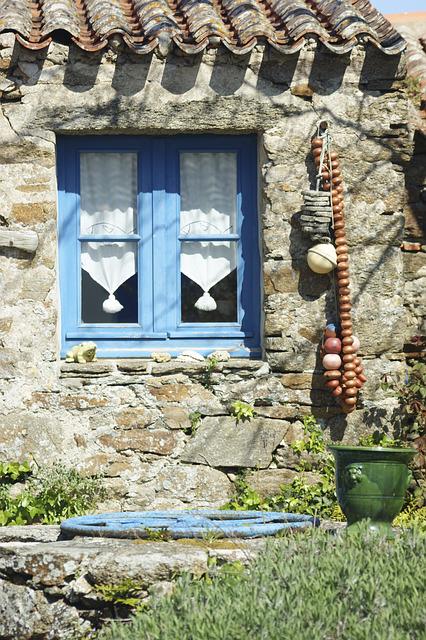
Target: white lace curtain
(108,207)
(108,188)
(208,207)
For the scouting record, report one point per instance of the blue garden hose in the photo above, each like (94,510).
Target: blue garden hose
(186,524)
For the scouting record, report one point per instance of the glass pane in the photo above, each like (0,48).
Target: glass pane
(209,282)
(108,188)
(208,189)
(109,282)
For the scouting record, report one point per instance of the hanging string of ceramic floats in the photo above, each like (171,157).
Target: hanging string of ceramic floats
(323,217)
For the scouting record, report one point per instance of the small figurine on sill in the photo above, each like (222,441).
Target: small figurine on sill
(84,352)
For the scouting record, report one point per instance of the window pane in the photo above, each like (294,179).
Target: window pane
(109,282)
(108,183)
(208,282)
(208,189)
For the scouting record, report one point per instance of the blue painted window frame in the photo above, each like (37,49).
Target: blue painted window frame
(158,209)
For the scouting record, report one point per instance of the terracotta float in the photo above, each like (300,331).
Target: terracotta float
(343,374)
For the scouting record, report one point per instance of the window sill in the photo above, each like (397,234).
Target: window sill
(136,366)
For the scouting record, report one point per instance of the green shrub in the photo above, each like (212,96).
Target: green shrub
(49,496)
(379,439)
(411,394)
(299,496)
(128,593)
(307,585)
(412,516)
(14,471)
(246,498)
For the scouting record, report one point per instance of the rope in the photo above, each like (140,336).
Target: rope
(323,132)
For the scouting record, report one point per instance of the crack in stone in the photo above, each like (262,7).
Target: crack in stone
(6,117)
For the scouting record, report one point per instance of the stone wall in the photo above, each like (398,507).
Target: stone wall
(130,419)
(53,589)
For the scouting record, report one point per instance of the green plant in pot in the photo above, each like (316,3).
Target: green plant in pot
(371,483)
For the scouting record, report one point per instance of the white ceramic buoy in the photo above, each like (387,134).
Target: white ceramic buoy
(322,258)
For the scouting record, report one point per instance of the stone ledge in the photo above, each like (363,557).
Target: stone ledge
(147,367)
(30,533)
(86,369)
(48,589)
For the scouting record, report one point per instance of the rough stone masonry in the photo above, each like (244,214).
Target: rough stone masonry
(129,419)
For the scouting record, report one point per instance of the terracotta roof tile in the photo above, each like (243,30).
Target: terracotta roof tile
(192,25)
(416,55)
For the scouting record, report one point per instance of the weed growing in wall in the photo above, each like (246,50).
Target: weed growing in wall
(211,366)
(242,411)
(128,593)
(195,421)
(50,495)
(299,496)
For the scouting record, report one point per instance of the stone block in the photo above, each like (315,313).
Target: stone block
(269,481)
(103,464)
(8,362)
(376,370)
(414,220)
(380,324)
(37,282)
(134,418)
(414,265)
(219,442)
(170,392)
(286,458)
(177,367)
(24,612)
(280,277)
(159,441)
(176,417)
(25,435)
(261,391)
(33,213)
(376,415)
(372,223)
(302,381)
(241,366)
(80,401)
(375,270)
(192,396)
(146,563)
(86,369)
(278,412)
(30,533)
(132,366)
(194,485)
(5,325)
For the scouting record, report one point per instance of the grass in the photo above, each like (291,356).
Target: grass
(305,586)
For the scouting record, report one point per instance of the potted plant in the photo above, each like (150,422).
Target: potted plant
(371,483)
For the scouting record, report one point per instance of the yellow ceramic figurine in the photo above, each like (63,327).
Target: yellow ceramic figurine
(84,352)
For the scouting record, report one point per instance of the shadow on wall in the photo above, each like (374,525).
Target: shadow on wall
(415,184)
(322,71)
(274,74)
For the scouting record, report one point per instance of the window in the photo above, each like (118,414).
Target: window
(158,244)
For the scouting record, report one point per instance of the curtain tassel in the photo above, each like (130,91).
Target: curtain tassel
(111,304)
(206,302)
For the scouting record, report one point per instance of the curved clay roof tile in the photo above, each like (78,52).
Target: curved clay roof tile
(195,24)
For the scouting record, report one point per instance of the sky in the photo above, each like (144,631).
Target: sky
(399,6)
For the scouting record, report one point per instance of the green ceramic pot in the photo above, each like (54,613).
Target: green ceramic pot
(371,483)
